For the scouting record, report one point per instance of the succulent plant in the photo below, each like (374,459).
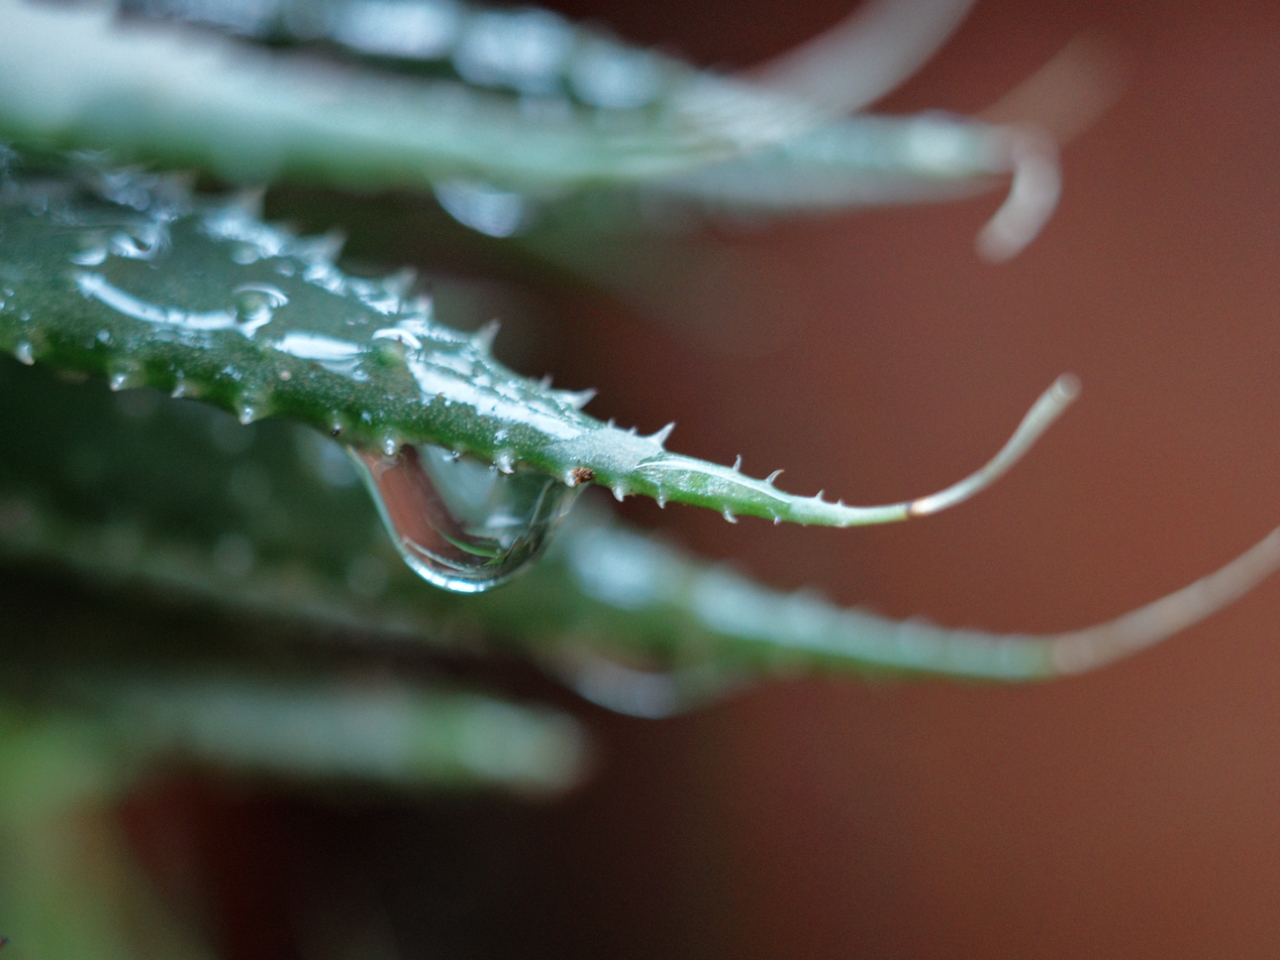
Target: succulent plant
(324,396)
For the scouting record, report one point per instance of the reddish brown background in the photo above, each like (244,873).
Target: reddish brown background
(1132,813)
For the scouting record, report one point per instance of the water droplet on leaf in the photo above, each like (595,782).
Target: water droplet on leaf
(460,524)
(486,209)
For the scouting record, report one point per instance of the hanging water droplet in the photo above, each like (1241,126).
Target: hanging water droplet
(486,209)
(457,522)
(23,353)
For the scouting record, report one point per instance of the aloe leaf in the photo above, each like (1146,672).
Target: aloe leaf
(391,735)
(77,77)
(134,279)
(146,492)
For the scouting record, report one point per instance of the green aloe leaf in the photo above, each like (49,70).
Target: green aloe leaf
(135,279)
(482,126)
(142,491)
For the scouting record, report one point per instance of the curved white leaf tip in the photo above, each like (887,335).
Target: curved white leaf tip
(1093,647)
(865,55)
(1033,196)
(1045,410)
(817,511)
(1069,93)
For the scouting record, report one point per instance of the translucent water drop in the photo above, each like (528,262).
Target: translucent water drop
(486,209)
(396,28)
(459,523)
(256,304)
(609,75)
(524,49)
(23,353)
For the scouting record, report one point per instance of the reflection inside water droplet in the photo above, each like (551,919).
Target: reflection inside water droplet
(458,523)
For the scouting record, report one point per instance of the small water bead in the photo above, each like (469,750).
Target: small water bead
(485,209)
(615,77)
(256,304)
(396,28)
(144,242)
(459,523)
(342,357)
(522,49)
(23,352)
